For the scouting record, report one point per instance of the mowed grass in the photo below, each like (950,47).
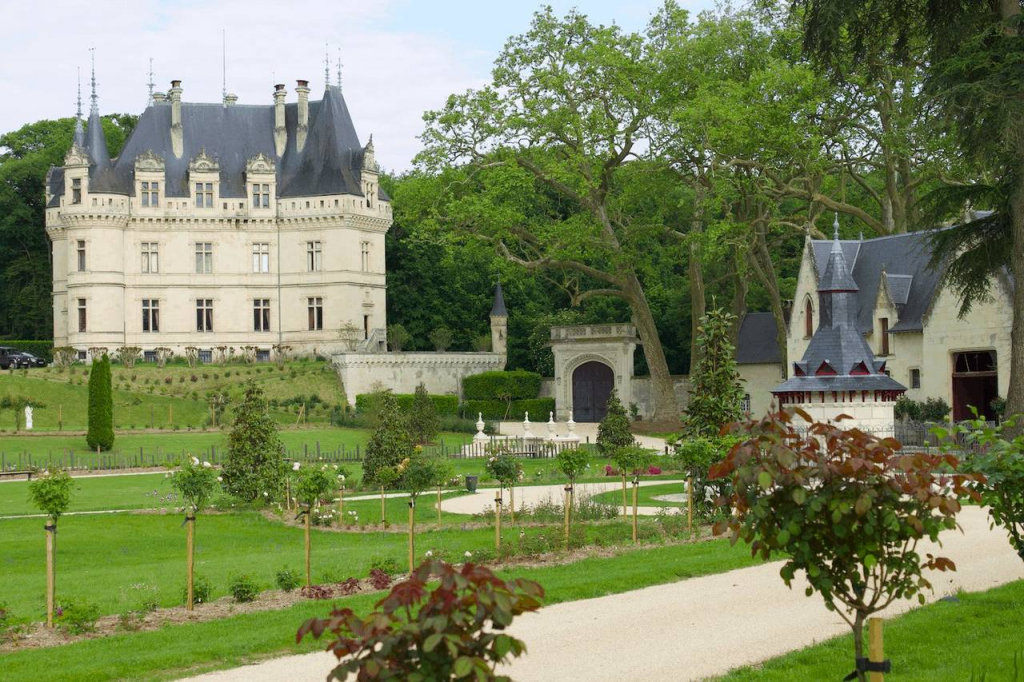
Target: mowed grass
(979,638)
(189,649)
(645,495)
(146,449)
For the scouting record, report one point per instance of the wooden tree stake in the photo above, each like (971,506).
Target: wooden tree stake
(568,505)
(512,502)
(60,417)
(875,649)
(689,504)
(636,485)
(51,528)
(625,512)
(190,546)
(288,493)
(412,534)
(383,520)
(309,519)
(497,521)
(439,505)
(341,503)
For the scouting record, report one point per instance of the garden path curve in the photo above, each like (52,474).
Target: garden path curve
(691,629)
(530,495)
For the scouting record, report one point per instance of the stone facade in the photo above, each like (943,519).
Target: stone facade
(610,345)
(168,246)
(441,373)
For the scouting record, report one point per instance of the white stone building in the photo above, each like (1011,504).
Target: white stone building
(221,226)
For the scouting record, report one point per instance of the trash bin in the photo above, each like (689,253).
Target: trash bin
(471,482)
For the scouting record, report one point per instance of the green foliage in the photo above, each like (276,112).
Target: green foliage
(441,339)
(633,460)
(202,591)
(384,564)
(76,617)
(398,337)
(930,410)
(505,469)
(254,468)
(316,482)
(101,406)
(417,472)
(504,386)
(613,432)
(423,422)
(40,349)
(243,588)
(195,482)
(516,410)
(844,507)
(388,446)
(286,579)
(50,492)
(444,405)
(1000,459)
(572,462)
(454,631)
(696,455)
(716,393)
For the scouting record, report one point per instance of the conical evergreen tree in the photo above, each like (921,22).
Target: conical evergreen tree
(613,432)
(716,394)
(101,406)
(389,444)
(255,462)
(423,419)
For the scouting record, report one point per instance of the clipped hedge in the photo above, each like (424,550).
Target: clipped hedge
(502,386)
(446,405)
(496,409)
(40,349)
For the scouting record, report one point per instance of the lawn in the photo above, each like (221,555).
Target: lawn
(645,495)
(173,651)
(155,449)
(979,638)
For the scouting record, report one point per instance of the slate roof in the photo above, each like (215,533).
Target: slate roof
(329,163)
(905,259)
(837,357)
(498,309)
(757,342)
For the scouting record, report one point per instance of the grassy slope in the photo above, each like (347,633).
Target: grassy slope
(167,653)
(148,396)
(982,635)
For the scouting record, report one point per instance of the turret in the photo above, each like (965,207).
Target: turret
(280,132)
(177,132)
(302,90)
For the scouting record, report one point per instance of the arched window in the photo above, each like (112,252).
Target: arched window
(808,318)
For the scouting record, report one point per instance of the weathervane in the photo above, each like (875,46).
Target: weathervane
(150,83)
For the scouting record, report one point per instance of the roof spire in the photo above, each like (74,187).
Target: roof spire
(339,68)
(149,102)
(499,309)
(95,107)
(327,65)
(835,228)
(79,131)
(224,67)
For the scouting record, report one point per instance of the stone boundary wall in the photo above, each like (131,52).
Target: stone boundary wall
(441,373)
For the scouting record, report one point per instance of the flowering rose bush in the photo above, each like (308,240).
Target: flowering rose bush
(195,481)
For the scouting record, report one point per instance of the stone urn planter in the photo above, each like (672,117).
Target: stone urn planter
(471,483)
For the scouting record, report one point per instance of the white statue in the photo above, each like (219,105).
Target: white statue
(28,417)
(551,426)
(480,436)
(572,428)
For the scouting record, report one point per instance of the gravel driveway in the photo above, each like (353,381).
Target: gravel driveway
(691,629)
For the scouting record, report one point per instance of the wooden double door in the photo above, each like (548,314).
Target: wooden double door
(592,385)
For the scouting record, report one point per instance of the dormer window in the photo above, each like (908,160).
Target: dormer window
(76,191)
(260,195)
(150,193)
(204,195)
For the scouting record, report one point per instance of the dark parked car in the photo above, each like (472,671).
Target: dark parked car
(7,357)
(23,359)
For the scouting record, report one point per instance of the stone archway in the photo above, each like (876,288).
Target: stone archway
(592,385)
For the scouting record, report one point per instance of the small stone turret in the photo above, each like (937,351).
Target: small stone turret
(499,323)
(177,134)
(302,130)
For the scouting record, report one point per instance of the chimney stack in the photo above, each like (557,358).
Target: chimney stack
(280,133)
(302,90)
(177,138)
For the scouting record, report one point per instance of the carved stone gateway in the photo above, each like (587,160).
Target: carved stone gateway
(590,361)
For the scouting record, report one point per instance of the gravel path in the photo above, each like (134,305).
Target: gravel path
(691,629)
(530,495)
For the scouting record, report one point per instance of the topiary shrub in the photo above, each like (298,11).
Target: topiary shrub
(613,432)
(504,386)
(101,407)
(254,467)
(423,423)
(389,444)
(444,405)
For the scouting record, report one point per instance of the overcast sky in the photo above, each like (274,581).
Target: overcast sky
(400,57)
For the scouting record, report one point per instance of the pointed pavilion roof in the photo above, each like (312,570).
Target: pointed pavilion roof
(498,309)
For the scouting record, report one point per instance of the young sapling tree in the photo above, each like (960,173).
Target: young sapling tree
(843,506)
(634,461)
(417,475)
(195,482)
(51,494)
(313,484)
(572,462)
